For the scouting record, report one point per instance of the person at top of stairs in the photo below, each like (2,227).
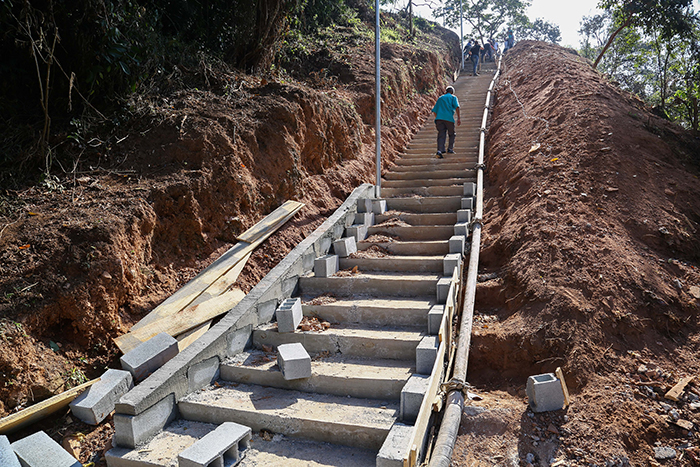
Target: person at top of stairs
(444,110)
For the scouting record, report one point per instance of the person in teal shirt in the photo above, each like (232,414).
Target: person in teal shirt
(444,111)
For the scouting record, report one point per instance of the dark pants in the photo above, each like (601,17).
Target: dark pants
(475,62)
(445,128)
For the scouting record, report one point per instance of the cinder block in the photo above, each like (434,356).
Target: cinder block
(39,450)
(426,353)
(457,243)
(93,405)
(450,262)
(443,287)
(412,397)
(149,356)
(468,203)
(464,215)
(545,392)
(294,361)
(365,218)
(379,206)
(359,231)
(8,458)
(289,315)
(202,374)
(326,265)
(396,446)
(435,319)
(461,228)
(221,447)
(469,189)
(131,431)
(345,247)
(364,205)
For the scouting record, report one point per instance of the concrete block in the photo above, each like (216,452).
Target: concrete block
(545,392)
(39,450)
(131,431)
(359,231)
(202,374)
(379,206)
(345,247)
(294,361)
(396,446)
(457,243)
(289,315)
(94,404)
(450,262)
(464,215)
(364,218)
(435,319)
(149,356)
(326,266)
(426,353)
(220,447)
(412,397)
(468,203)
(469,189)
(8,458)
(461,228)
(443,287)
(364,205)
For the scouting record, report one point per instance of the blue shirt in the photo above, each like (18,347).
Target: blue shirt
(445,107)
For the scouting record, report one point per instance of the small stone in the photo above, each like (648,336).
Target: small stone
(552,429)
(530,458)
(665,406)
(642,369)
(695,406)
(674,415)
(685,424)
(694,291)
(664,453)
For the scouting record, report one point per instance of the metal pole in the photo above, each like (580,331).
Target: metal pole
(461,31)
(378,101)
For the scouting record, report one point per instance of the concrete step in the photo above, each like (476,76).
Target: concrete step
(328,418)
(440,218)
(462,147)
(433,160)
(397,343)
(432,167)
(461,150)
(423,205)
(389,284)
(439,247)
(398,311)
(447,173)
(426,182)
(395,263)
(453,190)
(414,233)
(342,376)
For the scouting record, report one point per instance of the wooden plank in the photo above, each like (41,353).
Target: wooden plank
(222,284)
(41,410)
(675,392)
(185,339)
(260,229)
(560,375)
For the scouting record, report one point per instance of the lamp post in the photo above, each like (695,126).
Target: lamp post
(461,32)
(378,101)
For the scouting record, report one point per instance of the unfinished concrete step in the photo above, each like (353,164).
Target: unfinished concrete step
(425,182)
(432,167)
(397,343)
(343,376)
(452,190)
(439,218)
(438,247)
(461,147)
(461,150)
(456,173)
(397,311)
(423,205)
(468,159)
(371,284)
(348,421)
(414,233)
(395,263)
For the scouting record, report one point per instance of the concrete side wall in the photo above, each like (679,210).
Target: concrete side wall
(231,335)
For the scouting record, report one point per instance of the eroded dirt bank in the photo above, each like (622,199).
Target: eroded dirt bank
(592,230)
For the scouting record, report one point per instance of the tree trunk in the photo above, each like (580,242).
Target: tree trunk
(610,41)
(410,17)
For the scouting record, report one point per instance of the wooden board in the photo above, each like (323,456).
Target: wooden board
(41,410)
(185,339)
(675,392)
(564,388)
(261,228)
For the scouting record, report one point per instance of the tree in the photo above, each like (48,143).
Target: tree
(538,30)
(486,17)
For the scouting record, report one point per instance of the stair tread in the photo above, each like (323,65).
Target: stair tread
(359,330)
(379,302)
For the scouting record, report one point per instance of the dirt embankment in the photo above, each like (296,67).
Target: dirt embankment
(85,255)
(592,228)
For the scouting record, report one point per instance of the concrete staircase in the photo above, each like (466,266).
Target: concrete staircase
(373,315)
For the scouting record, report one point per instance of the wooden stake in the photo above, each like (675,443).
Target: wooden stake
(560,375)
(675,392)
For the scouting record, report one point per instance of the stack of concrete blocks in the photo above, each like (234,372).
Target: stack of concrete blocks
(221,447)
(443,288)
(294,361)
(149,356)
(396,446)
(450,262)
(8,458)
(545,393)
(345,246)
(457,244)
(359,231)
(426,354)
(464,216)
(97,402)
(435,319)
(412,396)
(39,450)
(469,189)
(364,205)
(289,315)
(364,218)
(134,430)
(378,206)
(326,265)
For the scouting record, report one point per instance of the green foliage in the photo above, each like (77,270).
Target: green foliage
(670,17)
(486,18)
(538,30)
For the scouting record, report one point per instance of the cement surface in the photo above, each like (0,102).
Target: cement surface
(426,182)
(415,233)
(445,173)
(397,311)
(395,263)
(420,205)
(438,247)
(440,218)
(422,190)
(380,283)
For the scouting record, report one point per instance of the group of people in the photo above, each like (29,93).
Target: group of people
(477,53)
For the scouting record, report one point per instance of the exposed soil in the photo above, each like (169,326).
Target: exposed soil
(591,229)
